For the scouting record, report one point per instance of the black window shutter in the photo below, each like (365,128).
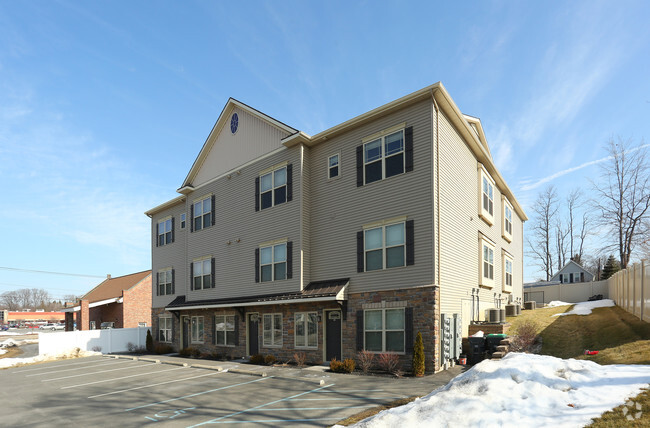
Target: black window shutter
(191,217)
(236,330)
(257,265)
(157,284)
(213,272)
(410,244)
(257,193)
(289,260)
(173,282)
(158,330)
(360,251)
(213,208)
(408,325)
(289,182)
(359,330)
(360,166)
(214,329)
(191,276)
(408,143)
(156,235)
(173,229)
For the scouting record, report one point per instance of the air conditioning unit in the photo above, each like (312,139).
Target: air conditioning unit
(493,316)
(530,305)
(517,310)
(511,310)
(502,315)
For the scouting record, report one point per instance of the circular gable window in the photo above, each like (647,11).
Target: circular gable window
(234,123)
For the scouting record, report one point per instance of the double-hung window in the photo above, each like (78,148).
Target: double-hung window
(197,329)
(165,282)
(507,272)
(273,188)
(384,330)
(507,220)
(487,196)
(225,330)
(383,157)
(183,216)
(272,330)
(165,329)
(333,166)
(202,213)
(202,274)
(273,262)
(487,262)
(306,330)
(385,246)
(165,234)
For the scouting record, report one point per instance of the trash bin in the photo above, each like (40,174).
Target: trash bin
(476,349)
(492,341)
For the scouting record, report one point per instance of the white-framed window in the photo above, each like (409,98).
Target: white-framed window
(165,232)
(272,330)
(507,220)
(183,220)
(273,188)
(487,262)
(487,196)
(507,272)
(165,329)
(142,324)
(385,246)
(202,213)
(273,262)
(384,330)
(165,282)
(202,274)
(306,330)
(225,330)
(333,166)
(197,329)
(383,157)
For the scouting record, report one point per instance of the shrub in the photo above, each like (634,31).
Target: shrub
(336,365)
(257,359)
(300,358)
(348,365)
(389,362)
(189,352)
(269,359)
(366,359)
(130,346)
(162,348)
(418,356)
(97,348)
(524,337)
(149,341)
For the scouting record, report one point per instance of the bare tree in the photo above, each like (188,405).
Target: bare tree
(623,197)
(561,234)
(9,301)
(541,246)
(26,298)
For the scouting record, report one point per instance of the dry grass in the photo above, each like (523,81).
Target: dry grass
(13,352)
(371,412)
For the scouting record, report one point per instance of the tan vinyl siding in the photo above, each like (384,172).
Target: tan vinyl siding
(339,208)
(254,138)
(170,255)
(305,217)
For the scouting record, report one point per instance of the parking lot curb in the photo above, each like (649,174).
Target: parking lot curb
(208,367)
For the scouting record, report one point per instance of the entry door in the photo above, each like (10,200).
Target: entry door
(333,335)
(253,334)
(186,332)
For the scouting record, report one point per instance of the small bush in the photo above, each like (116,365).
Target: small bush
(300,358)
(348,365)
(269,359)
(189,352)
(335,365)
(524,337)
(257,359)
(366,360)
(162,348)
(389,362)
(149,341)
(345,366)
(418,356)
(130,346)
(97,348)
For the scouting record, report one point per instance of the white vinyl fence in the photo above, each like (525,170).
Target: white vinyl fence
(630,289)
(570,293)
(110,340)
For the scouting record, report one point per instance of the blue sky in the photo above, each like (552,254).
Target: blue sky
(105,105)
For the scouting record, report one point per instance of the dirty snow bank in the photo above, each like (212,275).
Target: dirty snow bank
(556,303)
(72,353)
(521,390)
(584,308)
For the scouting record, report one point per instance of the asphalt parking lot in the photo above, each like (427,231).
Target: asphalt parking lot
(102,391)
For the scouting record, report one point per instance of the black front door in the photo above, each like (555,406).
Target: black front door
(253,334)
(333,334)
(186,332)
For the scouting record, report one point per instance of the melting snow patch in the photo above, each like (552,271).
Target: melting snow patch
(556,303)
(71,353)
(521,390)
(584,308)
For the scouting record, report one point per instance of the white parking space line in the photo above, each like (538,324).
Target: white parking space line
(120,378)
(262,421)
(348,398)
(93,373)
(198,393)
(291,409)
(73,369)
(153,384)
(50,367)
(217,420)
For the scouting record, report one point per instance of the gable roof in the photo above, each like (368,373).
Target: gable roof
(223,119)
(557,274)
(112,288)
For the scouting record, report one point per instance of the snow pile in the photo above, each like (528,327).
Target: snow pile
(584,308)
(9,333)
(72,353)
(9,343)
(521,390)
(556,303)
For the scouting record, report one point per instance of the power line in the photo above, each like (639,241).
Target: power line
(51,273)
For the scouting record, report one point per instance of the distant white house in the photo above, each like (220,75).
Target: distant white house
(572,272)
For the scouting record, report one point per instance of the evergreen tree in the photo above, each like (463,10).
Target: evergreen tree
(418,356)
(611,267)
(149,341)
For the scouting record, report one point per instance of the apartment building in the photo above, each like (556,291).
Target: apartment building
(355,238)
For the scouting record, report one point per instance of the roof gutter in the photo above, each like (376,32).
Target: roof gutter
(266,302)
